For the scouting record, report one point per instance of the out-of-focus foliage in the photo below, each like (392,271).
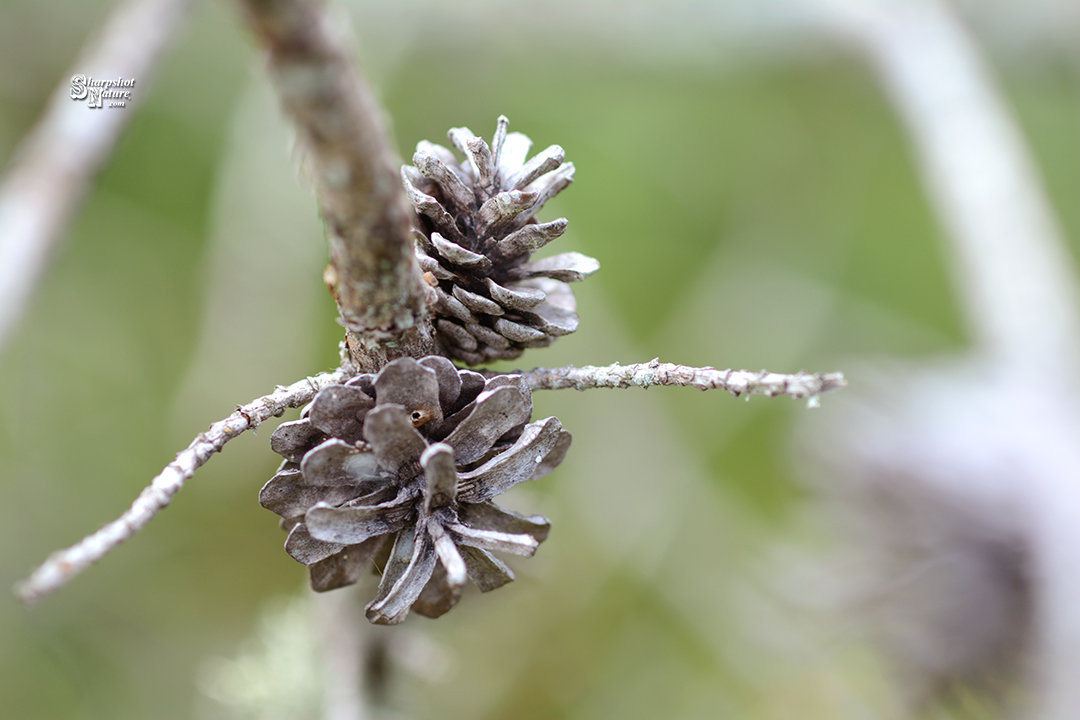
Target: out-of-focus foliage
(750,211)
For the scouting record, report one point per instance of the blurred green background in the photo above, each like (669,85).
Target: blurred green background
(752,200)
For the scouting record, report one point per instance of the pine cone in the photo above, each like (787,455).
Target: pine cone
(477,231)
(416,452)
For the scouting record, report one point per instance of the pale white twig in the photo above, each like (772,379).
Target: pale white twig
(62,154)
(63,565)
(645,375)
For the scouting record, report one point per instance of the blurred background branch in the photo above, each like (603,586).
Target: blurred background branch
(54,165)
(1015,274)
(956,467)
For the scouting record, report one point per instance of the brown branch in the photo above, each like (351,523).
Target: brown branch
(373,271)
(645,375)
(63,565)
(65,150)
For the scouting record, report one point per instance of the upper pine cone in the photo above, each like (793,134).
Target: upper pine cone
(414,454)
(477,232)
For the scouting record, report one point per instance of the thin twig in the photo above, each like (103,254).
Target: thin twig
(373,273)
(68,146)
(63,565)
(644,375)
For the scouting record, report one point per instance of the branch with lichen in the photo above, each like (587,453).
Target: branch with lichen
(64,565)
(800,385)
(373,272)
